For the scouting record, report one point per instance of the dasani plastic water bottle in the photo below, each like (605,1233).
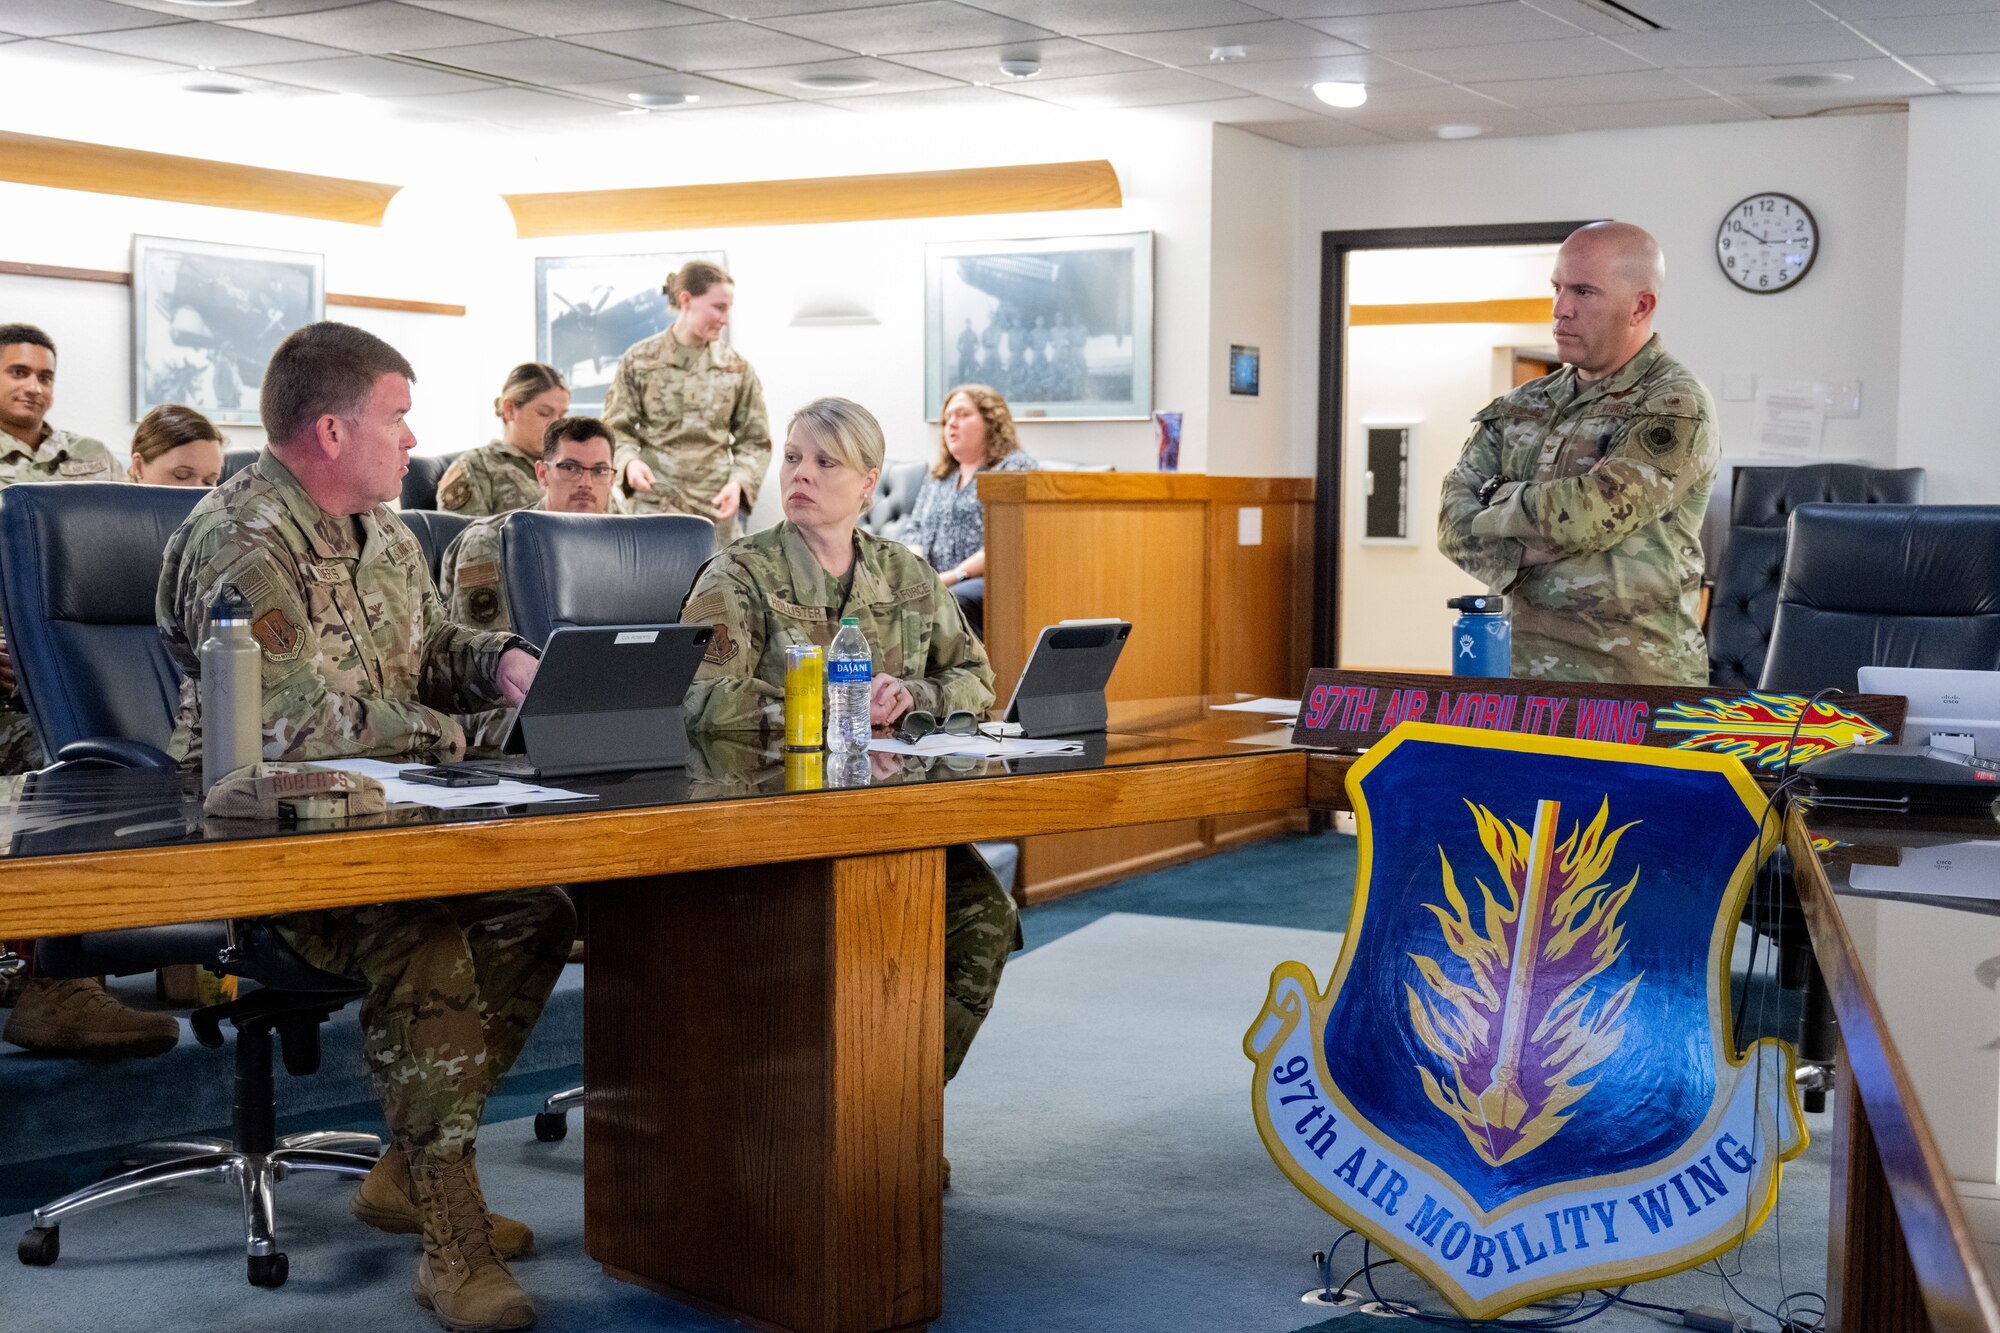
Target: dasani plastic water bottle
(850,673)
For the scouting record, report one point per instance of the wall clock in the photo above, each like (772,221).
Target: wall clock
(1767,243)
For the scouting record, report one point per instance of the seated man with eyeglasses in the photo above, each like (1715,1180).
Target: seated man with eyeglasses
(575,473)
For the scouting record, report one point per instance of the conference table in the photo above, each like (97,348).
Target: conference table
(763,997)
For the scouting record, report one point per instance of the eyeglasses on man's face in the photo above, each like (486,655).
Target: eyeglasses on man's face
(572,469)
(918,724)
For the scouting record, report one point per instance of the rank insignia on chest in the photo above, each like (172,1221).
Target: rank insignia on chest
(1521,1079)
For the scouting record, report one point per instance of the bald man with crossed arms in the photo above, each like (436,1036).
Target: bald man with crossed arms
(1580,495)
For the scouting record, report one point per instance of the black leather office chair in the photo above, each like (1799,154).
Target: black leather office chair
(592,569)
(235,460)
(78,566)
(1745,598)
(895,496)
(434,530)
(1871,585)
(420,483)
(589,569)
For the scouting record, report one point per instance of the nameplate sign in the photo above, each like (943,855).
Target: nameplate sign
(1352,710)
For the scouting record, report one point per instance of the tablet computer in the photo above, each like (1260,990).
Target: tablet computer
(1061,689)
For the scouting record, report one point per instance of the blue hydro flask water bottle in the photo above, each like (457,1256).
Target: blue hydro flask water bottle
(1482,640)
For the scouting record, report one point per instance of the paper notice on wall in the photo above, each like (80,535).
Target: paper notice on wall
(1790,417)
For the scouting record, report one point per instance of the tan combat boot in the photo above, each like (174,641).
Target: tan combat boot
(384,1202)
(80,1017)
(461,1277)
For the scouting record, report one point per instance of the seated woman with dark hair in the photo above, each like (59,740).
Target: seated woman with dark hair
(947,524)
(792,584)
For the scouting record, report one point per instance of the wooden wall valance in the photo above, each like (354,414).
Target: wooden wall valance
(66,164)
(1032,188)
(1522,310)
(116,276)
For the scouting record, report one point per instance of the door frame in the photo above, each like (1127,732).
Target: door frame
(1334,248)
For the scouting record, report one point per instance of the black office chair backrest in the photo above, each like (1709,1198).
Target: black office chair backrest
(1885,585)
(434,530)
(895,496)
(420,483)
(1744,602)
(235,460)
(79,565)
(590,569)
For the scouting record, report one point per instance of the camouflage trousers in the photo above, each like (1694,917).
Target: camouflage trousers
(981,927)
(454,987)
(20,749)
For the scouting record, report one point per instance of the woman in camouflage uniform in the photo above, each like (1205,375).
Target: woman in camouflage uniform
(792,584)
(499,477)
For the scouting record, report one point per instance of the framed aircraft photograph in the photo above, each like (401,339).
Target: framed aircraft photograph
(206,318)
(590,308)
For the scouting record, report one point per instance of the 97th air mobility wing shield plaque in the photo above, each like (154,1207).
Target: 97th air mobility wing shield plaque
(1521,1080)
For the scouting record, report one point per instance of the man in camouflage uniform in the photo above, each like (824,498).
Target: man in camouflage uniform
(53,1016)
(495,478)
(1580,495)
(359,659)
(768,591)
(575,469)
(691,430)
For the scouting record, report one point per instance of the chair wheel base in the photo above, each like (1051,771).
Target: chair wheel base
(269,1270)
(551,1126)
(40,1246)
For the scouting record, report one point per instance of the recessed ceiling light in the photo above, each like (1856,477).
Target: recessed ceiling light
(1020,67)
(214,89)
(834,83)
(1341,94)
(1460,131)
(657,101)
(1808,80)
(1223,54)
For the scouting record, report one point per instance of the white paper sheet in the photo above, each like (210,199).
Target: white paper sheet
(1790,416)
(1274,707)
(401,792)
(979,747)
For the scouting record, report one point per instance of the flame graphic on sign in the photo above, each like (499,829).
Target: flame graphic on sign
(1530,1023)
(1756,728)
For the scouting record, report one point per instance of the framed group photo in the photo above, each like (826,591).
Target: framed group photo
(590,308)
(1062,326)
(206,318)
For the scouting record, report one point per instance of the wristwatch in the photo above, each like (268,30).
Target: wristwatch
(1488,487)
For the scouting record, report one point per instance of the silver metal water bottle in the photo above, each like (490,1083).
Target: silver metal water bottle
(232,690)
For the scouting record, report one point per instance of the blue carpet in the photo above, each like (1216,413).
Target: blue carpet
(1106,1176)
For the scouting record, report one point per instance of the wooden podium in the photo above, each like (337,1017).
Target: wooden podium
(1215,574)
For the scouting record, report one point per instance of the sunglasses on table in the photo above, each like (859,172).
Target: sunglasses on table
(918,724)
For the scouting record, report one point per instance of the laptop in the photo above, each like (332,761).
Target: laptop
(1061,689)
(606,699)
(1957,710)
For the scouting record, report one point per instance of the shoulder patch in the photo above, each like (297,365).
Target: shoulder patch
(277,635)
(485,574)
(455,492)
(721,645)
(707,607)
(483,605)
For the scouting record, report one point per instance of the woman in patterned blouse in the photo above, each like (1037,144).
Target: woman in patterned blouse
(947,525)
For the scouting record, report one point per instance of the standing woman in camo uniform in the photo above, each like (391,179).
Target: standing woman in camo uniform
(688,413)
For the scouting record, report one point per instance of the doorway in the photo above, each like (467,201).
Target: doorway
(1419,328)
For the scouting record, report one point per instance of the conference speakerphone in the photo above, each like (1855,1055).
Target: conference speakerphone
(605,699)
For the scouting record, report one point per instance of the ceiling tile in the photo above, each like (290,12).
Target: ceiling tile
(928,25)
(956,98)
(1958,71)
(1784,44)
(1820,107)
(60,18)
(380,25)
(780,79)
(1418,30)
(711,46)
(1431,99)
(1315,133)
(255,9)
(1524,60)
(1061,57)
(1892,9)
(541,60)
(1498,121)
(515,106)
(764,9)
(1682,15)
(1881,77)
(1289,78)
(1647,115)
(1639,85)
(1099,16)
(30,60)
(1333,9)
(1156,87)
(712,92)
(1244,111)
(1272,40)
(364,76)
(1939,35)
(562,18)
(204,44)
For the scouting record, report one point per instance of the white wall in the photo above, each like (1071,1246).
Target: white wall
(1839,324)
(1951,289)
(1251,288)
